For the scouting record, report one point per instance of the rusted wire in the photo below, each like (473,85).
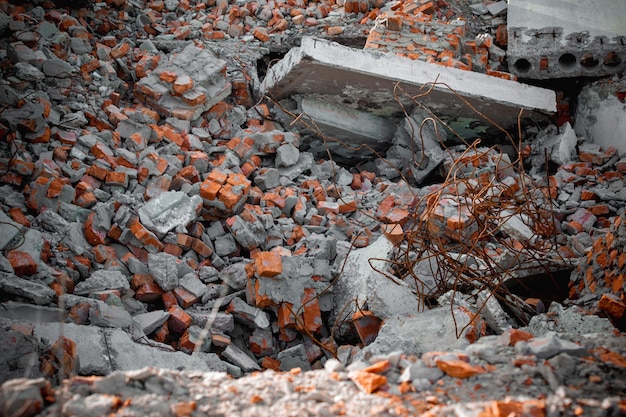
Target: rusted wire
(478,256)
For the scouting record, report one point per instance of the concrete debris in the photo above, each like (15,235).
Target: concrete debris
(556,42)
(369,81)
(600,113)
(187,194)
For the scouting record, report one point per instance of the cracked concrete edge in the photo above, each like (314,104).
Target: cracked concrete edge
(392,69)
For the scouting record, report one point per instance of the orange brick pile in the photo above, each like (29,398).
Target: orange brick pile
(601,276)
(430,31)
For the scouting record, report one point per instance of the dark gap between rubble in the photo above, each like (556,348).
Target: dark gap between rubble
(547,287)
(264,63)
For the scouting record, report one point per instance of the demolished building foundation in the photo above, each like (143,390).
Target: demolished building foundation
(397,229)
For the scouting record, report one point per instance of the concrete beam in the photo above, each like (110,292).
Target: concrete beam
(566,38)
(375,82)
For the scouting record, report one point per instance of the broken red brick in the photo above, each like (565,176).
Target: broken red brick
(261,34)
(179,320)
(185,298)
(612,305)
(268,264)
(286,319)
(368,382)
(94,235)
(23,264)
(458,368)
(148,292)
(18,216)
(367,326)
(311,314)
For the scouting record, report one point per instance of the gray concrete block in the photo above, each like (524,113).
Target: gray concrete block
(102,280)
(164,270)
(149,322)
(363,282)
(93,356)
(127,355)
(364,80)
(432,330)
(38,293)
(566,39)
(237,357)
(600,114)
(169,210)
(294,357)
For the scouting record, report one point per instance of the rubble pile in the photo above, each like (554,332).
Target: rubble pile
(426,31)
(163,230)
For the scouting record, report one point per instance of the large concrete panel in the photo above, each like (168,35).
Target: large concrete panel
(566,38)
(382,84)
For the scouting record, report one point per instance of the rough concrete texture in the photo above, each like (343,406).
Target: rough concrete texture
(150,228)
(366,284)
(430,330)
(601,114)
(324,70)
(566,38)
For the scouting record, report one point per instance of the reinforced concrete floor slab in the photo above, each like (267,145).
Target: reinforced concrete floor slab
(566,38)
(386,85)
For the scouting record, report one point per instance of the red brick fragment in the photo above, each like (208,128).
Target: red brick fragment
(23,264)
(367,326)
(268,264)
(179,320)
(458,368)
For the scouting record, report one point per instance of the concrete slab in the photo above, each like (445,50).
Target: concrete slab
(364,80)
(601,114)
(566,38)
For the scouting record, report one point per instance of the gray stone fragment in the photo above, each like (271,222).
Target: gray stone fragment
(164,270)
(362,282)
(91,349)
(223,322)
(550,345)
(19,355)
(30,111)
(169,210)
(497,8)
(431,330)
(564,366)
(214,363)
(127,355)
(249,315)
(10,232)
(75,239)
(80,46)
(104,315)
(192,283)
(237,357)
(38,293)
(92,405)
(225,245)
(52,222)
(287,155)
(22,394)
(18,52)
(149,322)
(249,235)
(420,371)
(294,357)
(235,275)
(28,72)
(5,265)
(57,68)
(267,178)
(103,280)
(568,320)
